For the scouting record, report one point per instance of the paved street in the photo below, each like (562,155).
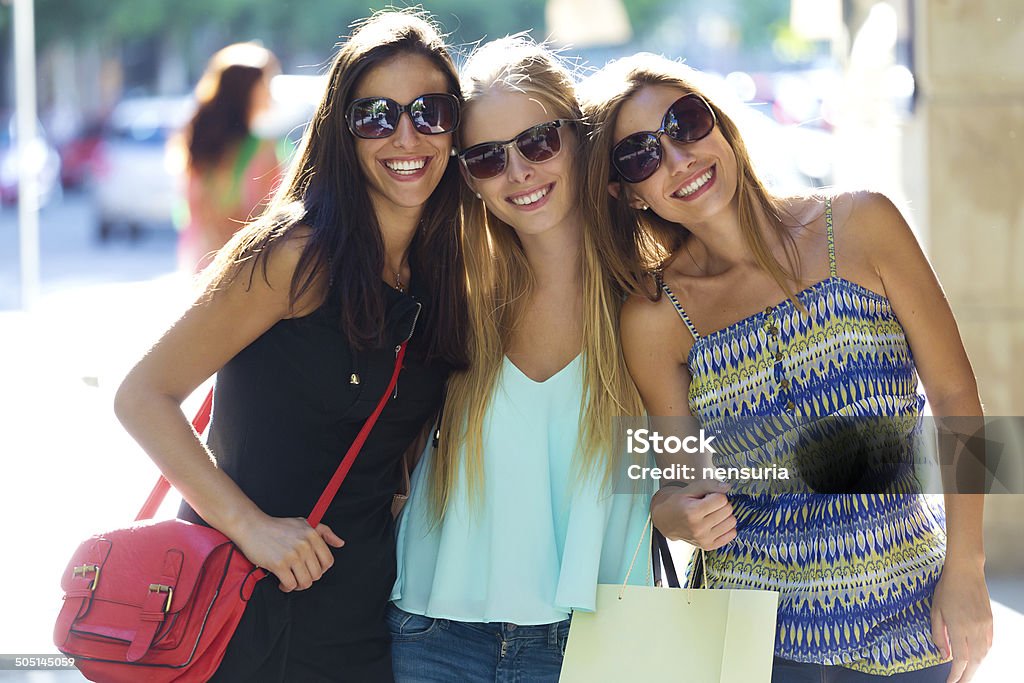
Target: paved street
(73,257)
(68,468)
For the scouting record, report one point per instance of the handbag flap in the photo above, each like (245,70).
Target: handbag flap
(127,565)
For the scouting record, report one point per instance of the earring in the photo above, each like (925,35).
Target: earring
(453,153)
(644,207)
(478,196)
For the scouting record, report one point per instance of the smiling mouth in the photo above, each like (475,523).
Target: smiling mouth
(532,197)
(700,182)
(405,166)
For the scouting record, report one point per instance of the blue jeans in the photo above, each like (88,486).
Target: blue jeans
(428,650)
(785,671)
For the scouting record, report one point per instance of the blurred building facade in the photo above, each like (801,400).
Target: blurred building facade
(964,169)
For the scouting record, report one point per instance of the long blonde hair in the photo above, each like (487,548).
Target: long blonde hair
(641,240)
(500,282)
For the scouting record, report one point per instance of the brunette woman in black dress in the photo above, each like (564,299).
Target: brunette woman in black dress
(358,252)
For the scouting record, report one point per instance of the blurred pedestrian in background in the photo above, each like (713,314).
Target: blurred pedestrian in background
(229,172)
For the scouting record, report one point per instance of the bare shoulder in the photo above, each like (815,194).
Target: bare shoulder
(869,218)
(283,259)
(265,273)
(871,230)
(640,312)
(653,328)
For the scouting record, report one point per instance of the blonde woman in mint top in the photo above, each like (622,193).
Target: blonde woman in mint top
(513,520)
(772,313)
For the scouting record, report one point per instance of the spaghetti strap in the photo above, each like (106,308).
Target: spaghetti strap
(831,238)
(678,307)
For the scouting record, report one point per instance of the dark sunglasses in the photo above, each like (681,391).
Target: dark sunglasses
(636,157)
(537,144)
(373,118)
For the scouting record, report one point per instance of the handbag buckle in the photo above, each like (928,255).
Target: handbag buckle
(84,570)
(161,588)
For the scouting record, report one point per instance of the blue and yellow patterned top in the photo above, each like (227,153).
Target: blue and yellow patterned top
(855,572)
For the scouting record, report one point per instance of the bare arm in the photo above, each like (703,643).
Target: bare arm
(655,343)
(148,404)
(961,615)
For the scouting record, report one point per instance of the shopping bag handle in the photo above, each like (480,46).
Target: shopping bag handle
(660,553)
(662,556)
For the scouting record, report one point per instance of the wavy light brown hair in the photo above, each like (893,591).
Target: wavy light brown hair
(325,190)
(642,241)
(500,283)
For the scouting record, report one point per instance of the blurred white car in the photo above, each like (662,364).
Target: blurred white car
(138,189)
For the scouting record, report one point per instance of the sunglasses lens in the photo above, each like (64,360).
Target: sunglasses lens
(689,119)
(637,157)
(373,117)
(434,114)
(484,161)
(537,145)
(377,117)
(540,143)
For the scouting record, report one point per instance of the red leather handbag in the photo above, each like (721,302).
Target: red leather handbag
(159,601)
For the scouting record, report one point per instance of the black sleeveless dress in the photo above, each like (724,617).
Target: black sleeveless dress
(286,409)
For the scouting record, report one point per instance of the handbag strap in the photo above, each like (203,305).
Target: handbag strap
(202,419)
(350,457)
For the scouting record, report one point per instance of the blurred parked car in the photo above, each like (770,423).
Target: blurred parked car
(82,158)
(137,189)
(42,159)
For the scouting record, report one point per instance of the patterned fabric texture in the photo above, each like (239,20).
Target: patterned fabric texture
(823,393)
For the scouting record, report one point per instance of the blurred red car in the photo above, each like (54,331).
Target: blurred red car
(83,157)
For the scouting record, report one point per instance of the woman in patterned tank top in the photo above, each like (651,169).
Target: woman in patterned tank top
(778,311)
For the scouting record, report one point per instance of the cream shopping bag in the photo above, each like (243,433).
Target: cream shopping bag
(699,636)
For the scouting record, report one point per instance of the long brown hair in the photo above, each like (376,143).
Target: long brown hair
(642,241)
(224,102)
(501,280)
(326,191)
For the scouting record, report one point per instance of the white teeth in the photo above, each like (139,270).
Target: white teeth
(405,167)
(695,185)
(527,199)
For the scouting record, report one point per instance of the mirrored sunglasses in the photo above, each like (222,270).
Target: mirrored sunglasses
(689,119)
(373,118)
(537,144)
